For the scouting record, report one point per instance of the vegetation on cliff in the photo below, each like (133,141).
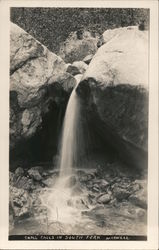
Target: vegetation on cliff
(51,26)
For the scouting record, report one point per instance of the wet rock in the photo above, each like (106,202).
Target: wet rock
(134,187)
(77,190)
(83,178)
(45,174)
(102,183)
(73,70)
(100,41)
(90,184)
(139,198)
(20,202)
(19,171)
(34,173)
(49,182)
(24,183)
(106,198)
(71,181)
(79,203)
(80,172)
(36,200)
(96,188)
(120,193)
(39,169)
(53,172)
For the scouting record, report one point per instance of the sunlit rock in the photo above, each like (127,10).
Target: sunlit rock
(34,71)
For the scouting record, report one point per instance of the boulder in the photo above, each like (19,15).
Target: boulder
(103,183)
(77,68)
(76,47)
(20,202)
(19,171)
(105,198)
(71,181)
(24,183)
(114,89)
(139,198)
(39,169)
(38,78)
(88,59)
(34,173)
(120,193)
(49,182)
(115,62)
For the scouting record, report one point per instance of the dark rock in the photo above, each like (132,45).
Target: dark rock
(78,203)
(34,173)
(73,70)
(96,188)
(139,198)
(89,184)
(19,171)
(100,41)
(77,68)
(20,202)
(55,160)
(39,169)
(83,178)
(102,183)
(120,193)
(24,183)
(104,198)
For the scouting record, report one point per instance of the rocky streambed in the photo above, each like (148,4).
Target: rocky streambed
(102,201)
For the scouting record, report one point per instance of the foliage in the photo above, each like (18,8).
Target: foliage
(51,26)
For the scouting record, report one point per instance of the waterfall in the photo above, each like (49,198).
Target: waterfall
(61,205)
(71,136)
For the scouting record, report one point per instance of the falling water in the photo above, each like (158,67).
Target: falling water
(70,148)
(71,136)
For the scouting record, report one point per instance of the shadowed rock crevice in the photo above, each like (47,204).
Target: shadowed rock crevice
(42,145)
(119,116)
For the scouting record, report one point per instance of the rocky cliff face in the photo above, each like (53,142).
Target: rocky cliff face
(39,83)
(115,91)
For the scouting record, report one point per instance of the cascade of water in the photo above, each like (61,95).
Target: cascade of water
(70,136)
(71,148)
